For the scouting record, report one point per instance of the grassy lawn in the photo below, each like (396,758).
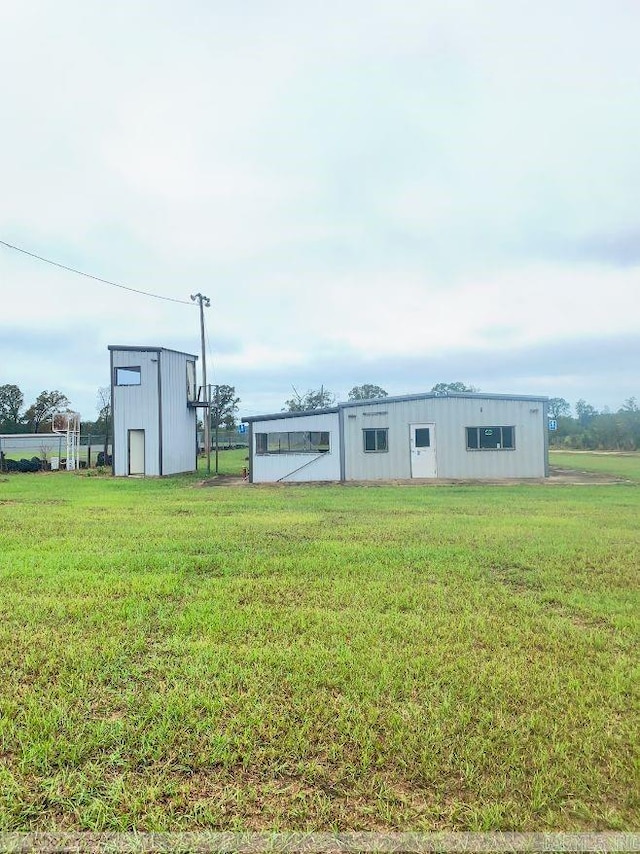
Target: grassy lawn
(300,657)
(625,465)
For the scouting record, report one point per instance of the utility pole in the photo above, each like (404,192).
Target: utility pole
(217,410)
(205,301)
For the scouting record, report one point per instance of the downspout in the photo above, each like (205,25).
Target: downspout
(113,421)
(160,412)
(545,428)
(341,443)
(251,452)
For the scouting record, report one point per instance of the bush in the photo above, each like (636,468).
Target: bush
(34,464)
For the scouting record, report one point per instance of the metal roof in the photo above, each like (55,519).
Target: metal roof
(129,348)
(398,399)
(276,415)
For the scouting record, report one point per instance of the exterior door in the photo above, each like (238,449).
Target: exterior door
(423,450)
(136,451)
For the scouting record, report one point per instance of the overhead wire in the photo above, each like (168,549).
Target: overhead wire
(90,276)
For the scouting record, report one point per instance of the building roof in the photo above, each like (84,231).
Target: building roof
(398,399)
(127,347)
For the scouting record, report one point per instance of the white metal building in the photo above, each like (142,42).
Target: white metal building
(457,436)
(153,392)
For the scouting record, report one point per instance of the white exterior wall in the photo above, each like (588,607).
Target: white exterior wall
(268,468)
(451,416)
(135,407)
(159,407)
(178,419)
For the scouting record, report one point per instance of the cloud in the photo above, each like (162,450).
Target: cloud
(364,185)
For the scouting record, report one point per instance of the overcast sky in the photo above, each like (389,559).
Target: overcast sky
(399,192)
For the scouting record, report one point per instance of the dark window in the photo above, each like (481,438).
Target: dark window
(376,440)
(294,442)
(127,376)
(490,438)
(423,437)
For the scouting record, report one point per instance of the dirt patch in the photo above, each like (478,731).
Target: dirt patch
(224,480)
(557,476)
(560,475)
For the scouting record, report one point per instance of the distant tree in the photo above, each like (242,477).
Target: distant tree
(11,402)
(314,399)
(558,407)
(445,388)
(224,406)
(39,414)
(367,392)
(585,412)
(630,405)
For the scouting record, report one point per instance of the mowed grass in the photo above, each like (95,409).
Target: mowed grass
(626,465)
(317,657)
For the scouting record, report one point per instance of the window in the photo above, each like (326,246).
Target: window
(127,376)
(191,380)
(423,437)
(294,442)
(490,438)
(376,440)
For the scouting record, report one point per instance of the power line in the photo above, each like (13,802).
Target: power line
(89,276)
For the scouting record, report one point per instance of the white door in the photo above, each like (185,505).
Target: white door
(423,450)
(136,451)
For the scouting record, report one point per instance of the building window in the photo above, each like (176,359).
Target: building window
(191,381)
(376,440)
(127,376)
(491,438)
(294,442)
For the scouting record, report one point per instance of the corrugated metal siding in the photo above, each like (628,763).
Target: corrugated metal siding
(297,467)
(178,419)
(136,408)
(451,417)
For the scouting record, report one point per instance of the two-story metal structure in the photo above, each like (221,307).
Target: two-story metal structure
(153,395)
(457,436)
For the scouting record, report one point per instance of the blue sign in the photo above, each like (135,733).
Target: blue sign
(553,424)
(242,428)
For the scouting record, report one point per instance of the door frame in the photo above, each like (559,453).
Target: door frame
(432,446)
(129,432)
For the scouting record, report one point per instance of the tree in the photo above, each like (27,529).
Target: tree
(585,412)
(11,401)
(224,407)
(558,407)
(41,412)
(445,388)
(223,411)
(314,399)
(367,392)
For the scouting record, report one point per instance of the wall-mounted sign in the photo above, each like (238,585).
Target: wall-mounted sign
(553,424)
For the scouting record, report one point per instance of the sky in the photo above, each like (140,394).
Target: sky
(397,192)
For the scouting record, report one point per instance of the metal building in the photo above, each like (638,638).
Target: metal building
(458,435)
(153,394)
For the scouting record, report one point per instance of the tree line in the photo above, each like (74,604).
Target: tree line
(593,430)
(35,418)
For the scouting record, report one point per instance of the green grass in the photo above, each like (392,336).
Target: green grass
(178,657)
(626,465)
